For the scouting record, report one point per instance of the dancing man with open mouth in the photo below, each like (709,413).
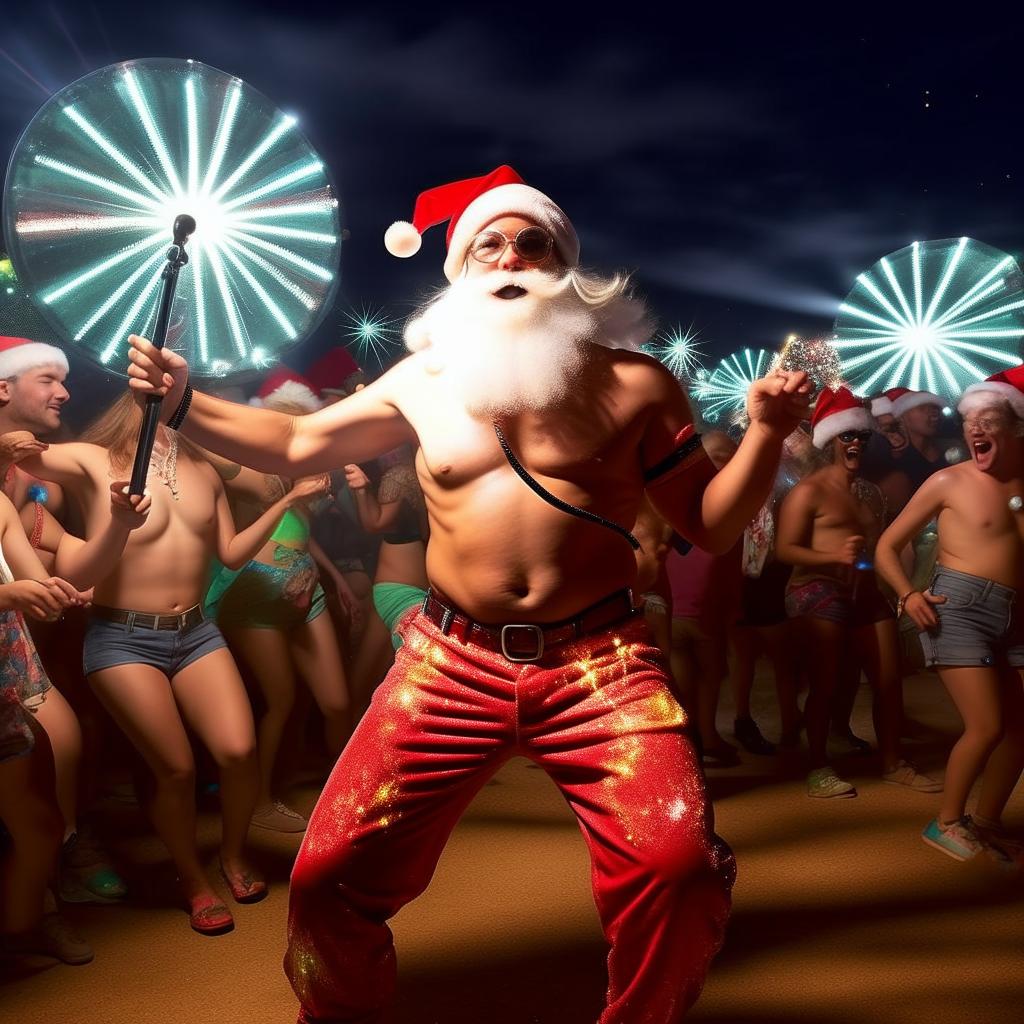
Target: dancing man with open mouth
(539,427)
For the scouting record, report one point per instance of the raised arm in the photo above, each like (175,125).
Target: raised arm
(360,427)
(235,548)
(65,464)
(712,509)
(926,504)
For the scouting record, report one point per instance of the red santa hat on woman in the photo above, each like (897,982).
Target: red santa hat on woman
(904,399)
(336,373)
(1007,385)
(17,355)
(836,412)
(469,206)
(882,405)
(287,387)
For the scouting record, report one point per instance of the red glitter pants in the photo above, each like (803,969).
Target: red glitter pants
(599,717)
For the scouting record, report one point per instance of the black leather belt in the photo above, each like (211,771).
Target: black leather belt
(527,641)
(147,620)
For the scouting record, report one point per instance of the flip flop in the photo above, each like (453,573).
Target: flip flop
(245,887)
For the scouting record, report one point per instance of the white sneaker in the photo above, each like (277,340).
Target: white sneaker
(823,783)
(905,774)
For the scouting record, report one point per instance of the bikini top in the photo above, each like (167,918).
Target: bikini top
(292,530)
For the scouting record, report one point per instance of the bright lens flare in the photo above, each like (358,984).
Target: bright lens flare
(678,351)
(934,316)
(723,391)
(109,162)
(373,335)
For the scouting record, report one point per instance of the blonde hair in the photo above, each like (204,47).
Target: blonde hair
(117,430)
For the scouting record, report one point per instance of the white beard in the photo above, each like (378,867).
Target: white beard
(507,356)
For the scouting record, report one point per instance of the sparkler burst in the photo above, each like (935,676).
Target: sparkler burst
(678,350)
(935,315)
(817,357)
(373,334)
(723,391)
(108,163)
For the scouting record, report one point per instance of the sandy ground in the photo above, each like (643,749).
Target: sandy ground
(842,915)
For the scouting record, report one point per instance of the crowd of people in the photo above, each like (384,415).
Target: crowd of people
(339,538)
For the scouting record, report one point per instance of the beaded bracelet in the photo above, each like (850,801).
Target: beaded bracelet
(181,412)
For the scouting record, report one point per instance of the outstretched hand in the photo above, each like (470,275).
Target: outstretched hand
(779,401)
(156,371)
(18,445)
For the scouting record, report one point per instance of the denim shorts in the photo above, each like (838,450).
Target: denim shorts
(977,625)
(108,644)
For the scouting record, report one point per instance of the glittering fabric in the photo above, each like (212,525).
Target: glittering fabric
(599,717)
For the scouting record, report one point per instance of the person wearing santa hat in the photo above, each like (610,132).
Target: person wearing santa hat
(539,426)
(920,413)
(828,526)
(969,618)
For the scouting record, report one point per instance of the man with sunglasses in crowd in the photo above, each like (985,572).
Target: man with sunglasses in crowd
(828,527)
(539,427)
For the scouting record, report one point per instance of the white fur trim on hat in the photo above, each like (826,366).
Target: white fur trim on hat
(402,239)
(290,392)
(979,395)
(912,399)
(510,201)
(839,422)
(881,406)
(21,358)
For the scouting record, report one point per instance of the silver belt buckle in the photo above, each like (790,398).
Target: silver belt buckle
(537,632)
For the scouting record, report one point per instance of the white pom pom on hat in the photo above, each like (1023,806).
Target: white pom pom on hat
(402,239)
(469,206)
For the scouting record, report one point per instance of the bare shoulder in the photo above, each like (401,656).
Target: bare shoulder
(639,370)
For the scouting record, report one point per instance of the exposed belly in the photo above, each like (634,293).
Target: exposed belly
(535,568)
(999,558)
(165,575)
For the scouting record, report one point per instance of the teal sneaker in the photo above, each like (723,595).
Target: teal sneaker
(86,874)
(959,840)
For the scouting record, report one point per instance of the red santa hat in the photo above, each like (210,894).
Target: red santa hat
(836,412)
(1007,385)
(287,386)
(904,399)
(882,405)
(335,373)
(469,206)
(19,354)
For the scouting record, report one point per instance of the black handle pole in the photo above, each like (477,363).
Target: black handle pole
(184,225)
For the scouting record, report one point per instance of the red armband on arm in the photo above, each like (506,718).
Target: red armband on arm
(688,453)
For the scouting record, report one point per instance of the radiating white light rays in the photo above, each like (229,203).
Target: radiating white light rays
(106,166)
(372,334)
(935,315)
(723,391)
(678,350)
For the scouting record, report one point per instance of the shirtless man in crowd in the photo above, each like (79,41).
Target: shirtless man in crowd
(528,642)
(969,617)
(828,526)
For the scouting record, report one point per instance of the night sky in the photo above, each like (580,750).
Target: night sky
(745,170)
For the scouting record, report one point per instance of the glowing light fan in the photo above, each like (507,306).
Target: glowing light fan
(935,315)
(724,390)
(107,164)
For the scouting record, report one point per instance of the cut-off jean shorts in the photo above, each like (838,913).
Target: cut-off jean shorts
(108,644)
(978,622)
